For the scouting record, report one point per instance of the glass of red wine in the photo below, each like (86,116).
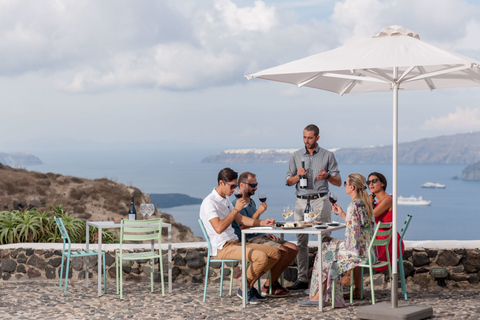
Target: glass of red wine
(262,196)
(238,193)
(332,196)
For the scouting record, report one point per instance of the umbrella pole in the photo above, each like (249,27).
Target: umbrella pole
(393,258)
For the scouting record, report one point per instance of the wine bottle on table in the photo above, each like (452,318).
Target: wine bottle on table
(132,213)
(303,178)
(306,213)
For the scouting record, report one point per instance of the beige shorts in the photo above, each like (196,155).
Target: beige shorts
(267,241)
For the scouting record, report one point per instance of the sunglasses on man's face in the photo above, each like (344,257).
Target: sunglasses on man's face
(372,181)
(232,186)
(253,185)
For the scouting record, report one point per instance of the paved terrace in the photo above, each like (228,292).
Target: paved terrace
(43,300)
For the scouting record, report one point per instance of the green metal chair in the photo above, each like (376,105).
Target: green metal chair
(140,231)
(375,264)
(400,259)
(73,254)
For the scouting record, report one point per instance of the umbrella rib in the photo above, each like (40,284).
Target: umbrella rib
(437,73)
(346,76)
(378,74)
(301,84)
(427,80)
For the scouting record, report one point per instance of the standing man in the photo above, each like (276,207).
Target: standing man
(217,214)
(247,186)
(320,168)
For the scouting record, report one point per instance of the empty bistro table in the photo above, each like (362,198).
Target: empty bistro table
(111,225)
(282,230)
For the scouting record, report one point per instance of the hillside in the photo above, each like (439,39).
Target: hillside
(99,199)
(19,159)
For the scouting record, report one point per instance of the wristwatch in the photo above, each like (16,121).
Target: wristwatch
(328,177)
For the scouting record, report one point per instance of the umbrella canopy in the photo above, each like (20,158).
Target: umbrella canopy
(367,66)
(395,59)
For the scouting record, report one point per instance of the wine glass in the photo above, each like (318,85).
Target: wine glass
(238,193)
(262,197)
(143,209)
(150,209)
(290,210)
(285,214)
(332,196)
(314,213)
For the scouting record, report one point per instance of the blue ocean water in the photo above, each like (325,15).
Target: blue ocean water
(452,215)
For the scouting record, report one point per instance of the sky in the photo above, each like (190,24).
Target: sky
(171,74)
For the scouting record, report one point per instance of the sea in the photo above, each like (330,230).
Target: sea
(452,215)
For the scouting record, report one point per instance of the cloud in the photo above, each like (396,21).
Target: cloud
(461,120)
(92,46)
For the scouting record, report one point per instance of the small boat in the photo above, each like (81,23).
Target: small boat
(433,185)
(413,201)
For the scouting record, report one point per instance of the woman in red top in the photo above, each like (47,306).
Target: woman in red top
(382,210)
(382,204)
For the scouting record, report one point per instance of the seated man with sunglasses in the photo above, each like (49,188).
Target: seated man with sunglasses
(217,214)
(247,187)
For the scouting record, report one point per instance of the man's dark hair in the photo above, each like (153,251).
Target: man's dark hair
(226,175)
(380,177)
(244,176)
(314,128)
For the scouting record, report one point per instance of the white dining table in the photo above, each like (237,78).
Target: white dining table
(112,225)
(280,230)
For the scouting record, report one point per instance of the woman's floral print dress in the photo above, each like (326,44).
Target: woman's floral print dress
(341,256)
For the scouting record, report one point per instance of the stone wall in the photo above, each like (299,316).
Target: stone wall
(188,266)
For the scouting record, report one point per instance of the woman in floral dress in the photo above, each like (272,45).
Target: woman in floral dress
(341,256)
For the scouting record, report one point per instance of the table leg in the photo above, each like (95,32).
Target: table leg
(99,266)
(87,261)
(244,272)
(319,279)
(170,259)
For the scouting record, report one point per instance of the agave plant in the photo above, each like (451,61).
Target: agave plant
(8,227)
(29,226)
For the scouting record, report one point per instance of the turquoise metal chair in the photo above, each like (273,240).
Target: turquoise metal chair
(209,259)
(140,231)
(400,259)
(73,254)
(223,261)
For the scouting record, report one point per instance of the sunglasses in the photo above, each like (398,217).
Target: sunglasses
(232,186)
(344,183)
(253,185)
(372,181)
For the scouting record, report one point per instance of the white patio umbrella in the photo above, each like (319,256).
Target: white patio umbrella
(395,59)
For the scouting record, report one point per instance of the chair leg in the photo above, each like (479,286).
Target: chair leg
(162,281)
(372,289)
(206,279)
(402,277)
(333,293)
(152,265)
(221,280)
(66,274)
(117,274)
(61,273)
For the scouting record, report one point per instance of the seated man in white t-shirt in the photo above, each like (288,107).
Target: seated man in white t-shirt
(217,214)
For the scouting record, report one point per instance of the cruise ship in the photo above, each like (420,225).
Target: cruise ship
(433,185)
(413,201)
